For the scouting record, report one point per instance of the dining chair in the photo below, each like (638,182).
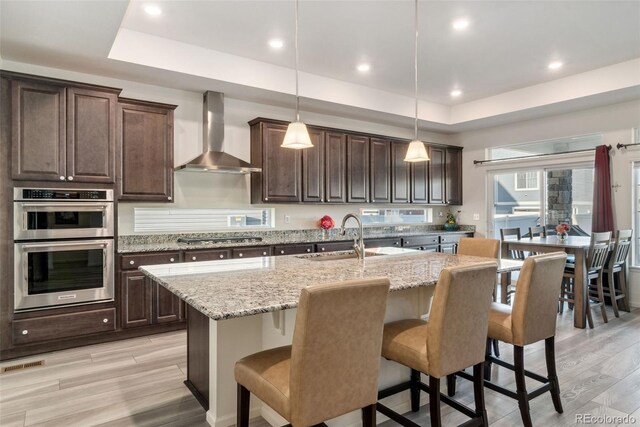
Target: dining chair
(512,234)
(332,366)
(616,268)
(599,248)
(537,232)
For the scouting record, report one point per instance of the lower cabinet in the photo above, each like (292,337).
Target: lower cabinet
(135,295)
(166,306)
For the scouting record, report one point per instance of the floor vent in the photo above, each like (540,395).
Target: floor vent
(22,366)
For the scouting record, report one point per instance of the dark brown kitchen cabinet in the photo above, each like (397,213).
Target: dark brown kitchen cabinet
(357,168)
(313,168)
(437,175)
(145,172)
(420,182)
(293,249)
(252,252)
(382,243)
(400,173)
(166,306)
(335,164)
(281,176)
(62,132)
(380,170)
(453,174)
(206,255)
(136,291)
(55,327)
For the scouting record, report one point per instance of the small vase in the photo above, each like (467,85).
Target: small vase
(562,236)
(451,227)
(325,234)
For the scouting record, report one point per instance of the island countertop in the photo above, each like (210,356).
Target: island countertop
(243,287)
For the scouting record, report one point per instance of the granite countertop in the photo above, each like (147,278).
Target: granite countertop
(242,287)
(165,243)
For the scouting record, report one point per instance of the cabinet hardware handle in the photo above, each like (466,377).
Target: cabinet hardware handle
(322,199)
(221,256)
(308,250)
(62,178)
(264,253)
(105,320)
(266,198)
(240,255)
(169,198)
(406,241)
(70,178)
(25,332)
(322,249)
(282,251)
(171,259)
(132,262)
(193,258)
(395,243)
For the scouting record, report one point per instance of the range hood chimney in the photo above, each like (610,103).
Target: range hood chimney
(213,158)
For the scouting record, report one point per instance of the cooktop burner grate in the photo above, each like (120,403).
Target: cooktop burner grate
(212,240)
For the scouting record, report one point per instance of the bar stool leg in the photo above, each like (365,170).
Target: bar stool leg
(451,385)
(369,416)
(478,393)
(243,406)
(612,292)
(434,401)
(487,361)
(415,390)
(550,358)
(521,388)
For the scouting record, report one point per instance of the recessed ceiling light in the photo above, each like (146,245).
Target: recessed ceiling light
(555,65)
(276,43)
(153,10)
(363,68)
(456,93)
(460,24)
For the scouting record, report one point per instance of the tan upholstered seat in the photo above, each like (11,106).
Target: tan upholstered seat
(332,366)
(452,339)
(478,246)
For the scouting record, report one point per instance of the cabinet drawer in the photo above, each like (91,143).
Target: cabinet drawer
(251,252)
(292,249)
(334,246)
(211,255)
(380,243)
(63,326)
(451,238)
(420,240)
(132,262)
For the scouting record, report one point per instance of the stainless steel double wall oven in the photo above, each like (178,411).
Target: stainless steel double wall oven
(63,247)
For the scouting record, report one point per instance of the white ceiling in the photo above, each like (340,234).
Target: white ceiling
(501,57)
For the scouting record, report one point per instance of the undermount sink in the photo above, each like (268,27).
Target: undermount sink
(337,256)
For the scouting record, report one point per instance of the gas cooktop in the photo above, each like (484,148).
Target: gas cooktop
(211,240)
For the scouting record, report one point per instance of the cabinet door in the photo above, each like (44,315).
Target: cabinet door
(436,175)
(380,169)
(420,182)
(453,170)
(166,305)
(207,255)
(357,169)
(281,167)
(135,294)
(400,173)
(335,167)
(38,131)
(313,168)
(251,252)
(91,135)
(146,137)
(293,249)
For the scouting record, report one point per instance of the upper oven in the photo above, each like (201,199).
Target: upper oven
(42,214)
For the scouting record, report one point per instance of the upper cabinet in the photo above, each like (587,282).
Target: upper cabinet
(313,168)
(400,173)
(335,167)
(357,168)
(436,175)
(145,171)
(453,177)
(380,169)
(62,132)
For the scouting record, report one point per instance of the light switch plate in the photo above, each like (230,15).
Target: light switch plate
(476,217)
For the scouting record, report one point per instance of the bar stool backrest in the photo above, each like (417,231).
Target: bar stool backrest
(621,248)
(335,354)
(534,311)
(537,232)
(598,251)
(512,234)
(458,322)
(478,246)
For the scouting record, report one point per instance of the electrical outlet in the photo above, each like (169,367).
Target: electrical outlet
(287,219)
(440,214)
(476,217)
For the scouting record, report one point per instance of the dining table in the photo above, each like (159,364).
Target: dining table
(577,246)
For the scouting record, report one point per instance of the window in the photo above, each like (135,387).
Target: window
(636,212)
(396,216)
(549,146)
(201,220)
(526,180)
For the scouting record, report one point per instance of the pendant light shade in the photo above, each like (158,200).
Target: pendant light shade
(416,152)
(297,135)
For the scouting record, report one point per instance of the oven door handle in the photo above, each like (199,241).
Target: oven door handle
(65,206)
(102,244)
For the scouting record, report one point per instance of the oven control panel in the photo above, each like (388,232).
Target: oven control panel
(62,194)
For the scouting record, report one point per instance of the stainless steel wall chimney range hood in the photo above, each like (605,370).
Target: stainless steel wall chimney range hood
(213,158)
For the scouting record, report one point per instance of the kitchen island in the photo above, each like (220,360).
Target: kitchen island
(241,306)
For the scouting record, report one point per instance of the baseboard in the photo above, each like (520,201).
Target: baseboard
(229,420)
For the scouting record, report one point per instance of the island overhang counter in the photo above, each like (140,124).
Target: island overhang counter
(241,306)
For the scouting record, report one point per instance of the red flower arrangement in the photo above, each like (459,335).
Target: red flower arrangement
(326,222)
(563,228)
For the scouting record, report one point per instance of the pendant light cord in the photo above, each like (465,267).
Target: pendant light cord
(296,49)
(415,70)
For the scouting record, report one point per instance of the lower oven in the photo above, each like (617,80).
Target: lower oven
(56,273)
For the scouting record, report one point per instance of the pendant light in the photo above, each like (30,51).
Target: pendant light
(416,152)
(297,135)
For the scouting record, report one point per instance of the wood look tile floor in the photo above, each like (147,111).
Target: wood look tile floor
(138,382)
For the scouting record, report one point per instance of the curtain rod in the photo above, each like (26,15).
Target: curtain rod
(479,162)
(619,146)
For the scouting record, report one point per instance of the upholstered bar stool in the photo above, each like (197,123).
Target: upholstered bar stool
(452,339)
(616,267)
(531,319)
(332,366)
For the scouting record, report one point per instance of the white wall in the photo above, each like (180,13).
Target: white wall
(615,122)
(209,190)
